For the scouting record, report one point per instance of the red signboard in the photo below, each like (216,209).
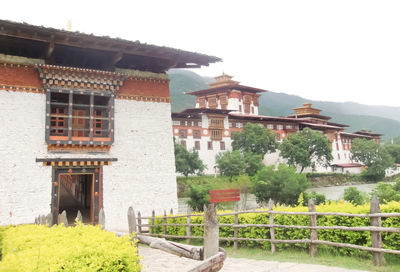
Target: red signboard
(228,195)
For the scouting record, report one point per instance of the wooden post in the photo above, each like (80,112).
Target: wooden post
(171,212)
(313,232)
(139,221)
(79,216)
(42,219)
(188,222)
(235,229)
(211,231)
(271,222)
(102,218)
(49,220)
(165,222)
(376,236)
(131,220)
(63,219)
(153,215)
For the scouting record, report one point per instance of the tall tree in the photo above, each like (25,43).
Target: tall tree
(254,138)
(187,162)
(374,156)
(394,151)
(230,163)
(306,148)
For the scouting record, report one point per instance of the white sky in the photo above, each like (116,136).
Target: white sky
(340,50)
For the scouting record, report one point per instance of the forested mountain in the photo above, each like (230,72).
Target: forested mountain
(380,119)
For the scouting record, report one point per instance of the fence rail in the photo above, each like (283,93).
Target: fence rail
(375,229)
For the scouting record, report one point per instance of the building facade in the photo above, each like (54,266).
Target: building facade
(85,125)
(227,106)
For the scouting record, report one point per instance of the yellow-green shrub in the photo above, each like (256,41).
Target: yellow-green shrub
(363,238)
(80,248)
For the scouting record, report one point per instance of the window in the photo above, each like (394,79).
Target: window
(239,125)
(212,102)
(176,123)
(183,143)
(196,134)
(289,126)
(216,134)
(79,117)
(216,123)
(279,127)
(270,126)
(209,145)
(240,108)
(230,124)
(197,145)
(182,133)
(222,145)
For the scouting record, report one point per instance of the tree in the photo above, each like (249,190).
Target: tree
(230,163)
(187,162)
(353,195)
(254,138)
(283,185)
(234,163)
(387,192)
(374,156)
(306,148)
(394,151)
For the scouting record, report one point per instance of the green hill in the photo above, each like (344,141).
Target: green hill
(380,119)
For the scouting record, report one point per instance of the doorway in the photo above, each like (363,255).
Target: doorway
(77,189)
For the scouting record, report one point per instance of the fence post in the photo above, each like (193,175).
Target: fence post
(79,216)
(171,212)
(188,222)
(271,223)
(313,232)
(153,215)
(376,236)
(235,229)
(211,231)
(102,219)
(165,222)
(131,220)
(49,219)
(62,218)
(139,221)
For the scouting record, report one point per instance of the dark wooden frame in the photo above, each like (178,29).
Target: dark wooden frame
(97,189)
(70,139)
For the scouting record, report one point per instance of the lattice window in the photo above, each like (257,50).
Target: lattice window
(176,123)
(216,123)
(79,117)
(209,145)
(212,102)
(270,126)
(197,145)
(223,100)
(222,145)
(202,102)
(216,134)
(196,134)
(279,127)
(183,133)
(246,108)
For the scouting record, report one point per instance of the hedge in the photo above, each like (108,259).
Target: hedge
(363,238)
(79,248)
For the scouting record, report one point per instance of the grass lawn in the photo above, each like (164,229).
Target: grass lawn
(323,258)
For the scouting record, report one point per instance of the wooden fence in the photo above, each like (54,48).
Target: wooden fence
(375,229)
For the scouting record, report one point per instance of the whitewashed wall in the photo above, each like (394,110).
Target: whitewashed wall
(144,172)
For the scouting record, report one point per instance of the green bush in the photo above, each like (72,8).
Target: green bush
(318,198)
(80,248)
(353,195)
(283,185)
(390,240)
(387,192)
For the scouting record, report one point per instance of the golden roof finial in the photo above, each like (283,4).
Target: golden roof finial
(69,25)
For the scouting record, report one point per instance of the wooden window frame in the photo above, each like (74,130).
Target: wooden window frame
(222,145)
(210,145)
(196,134)
(182,133)
(197,145)
(89,127)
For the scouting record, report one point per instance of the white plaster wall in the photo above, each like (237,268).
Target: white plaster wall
(25,186)
(143,177)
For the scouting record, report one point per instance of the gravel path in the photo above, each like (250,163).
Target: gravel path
(154,260)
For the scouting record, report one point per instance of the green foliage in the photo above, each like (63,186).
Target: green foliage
(230,163)
(306,148)
(283,185)
(318,198)
(387,192)
(394,151)
(362,238)
(255,139)
(199,196)
(253,163)
(79,248)
(374,156)
(187,162)
(353,195)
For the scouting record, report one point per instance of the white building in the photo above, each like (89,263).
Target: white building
(227,106)
(85,125)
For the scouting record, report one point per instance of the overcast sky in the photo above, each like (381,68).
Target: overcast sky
(341,50)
